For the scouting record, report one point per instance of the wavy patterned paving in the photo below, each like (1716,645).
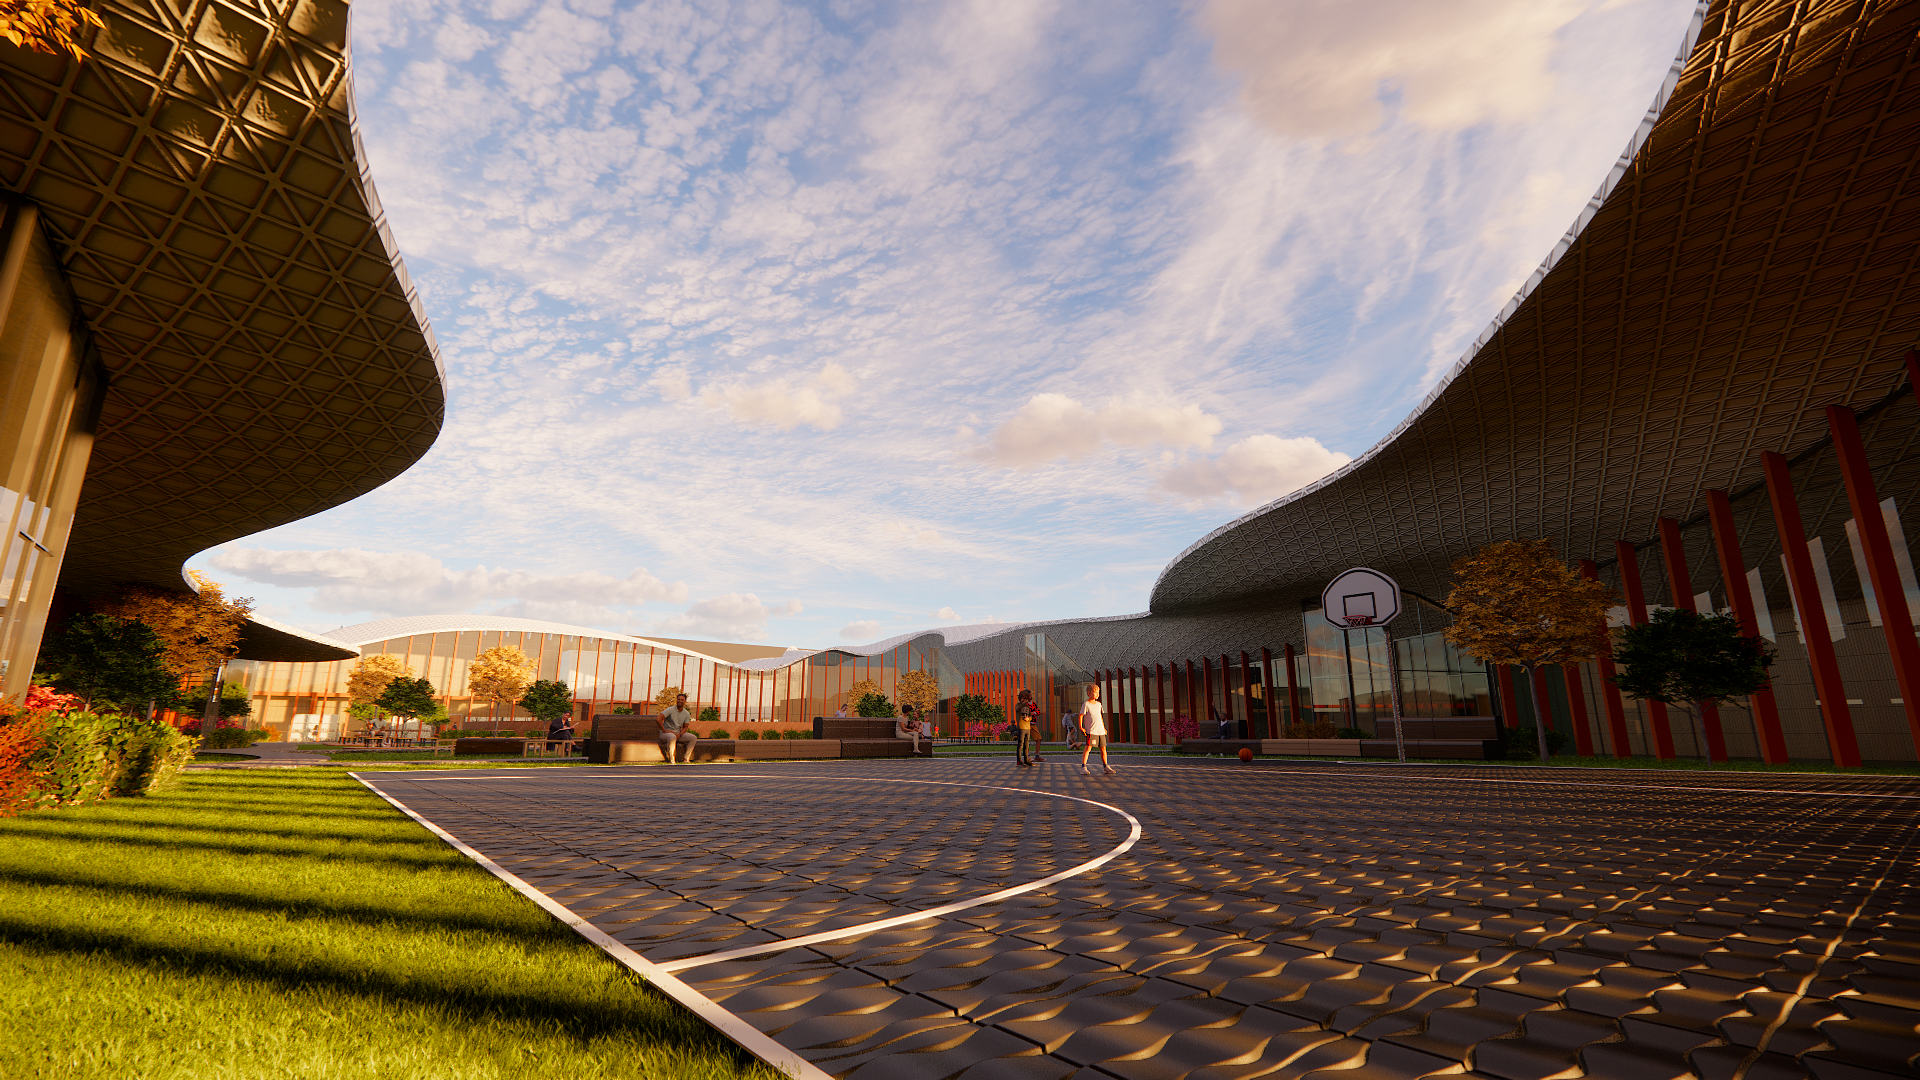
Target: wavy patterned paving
(1360,922)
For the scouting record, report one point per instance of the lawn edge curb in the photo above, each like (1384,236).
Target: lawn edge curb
(750,1038)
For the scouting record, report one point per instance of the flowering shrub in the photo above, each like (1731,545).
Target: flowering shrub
(1181,727)
(981,729)
(46,698)
(53,759)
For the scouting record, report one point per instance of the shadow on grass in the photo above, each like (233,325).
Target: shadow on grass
(250,902)
(646,1014)
(290,847)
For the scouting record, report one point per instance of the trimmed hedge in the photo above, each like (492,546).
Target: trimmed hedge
(49,759)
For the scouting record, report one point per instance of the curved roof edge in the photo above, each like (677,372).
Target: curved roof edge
(268,641)
(969,633)
(366,633)
(1580,222)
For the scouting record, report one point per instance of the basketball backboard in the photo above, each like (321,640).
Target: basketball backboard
(1361,597)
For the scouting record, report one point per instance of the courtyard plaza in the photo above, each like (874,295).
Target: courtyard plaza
(1213,920)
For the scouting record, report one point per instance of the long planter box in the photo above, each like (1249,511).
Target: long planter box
(489,746)
(1465,749)
(600,752)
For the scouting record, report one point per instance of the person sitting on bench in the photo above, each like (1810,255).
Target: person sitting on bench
(676,731)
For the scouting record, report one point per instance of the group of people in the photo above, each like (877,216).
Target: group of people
(676,730)
(1090,724)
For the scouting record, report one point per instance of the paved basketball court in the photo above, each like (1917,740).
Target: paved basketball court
(931,919)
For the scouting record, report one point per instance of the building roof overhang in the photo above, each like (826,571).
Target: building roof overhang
(267,354)
(1748,263)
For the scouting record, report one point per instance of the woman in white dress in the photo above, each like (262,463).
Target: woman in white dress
(1093,721)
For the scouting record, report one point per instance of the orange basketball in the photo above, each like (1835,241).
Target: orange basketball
(1246,753)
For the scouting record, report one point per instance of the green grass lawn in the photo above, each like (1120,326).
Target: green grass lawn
(289,923)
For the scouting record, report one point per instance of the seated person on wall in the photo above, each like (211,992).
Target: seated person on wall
(676,730)
(907,727)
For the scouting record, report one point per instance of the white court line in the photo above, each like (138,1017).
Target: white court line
(661,975)
(749,1037)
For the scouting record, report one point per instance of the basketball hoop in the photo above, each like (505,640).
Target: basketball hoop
(1363,597)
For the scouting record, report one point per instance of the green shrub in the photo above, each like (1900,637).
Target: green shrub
(623,710)
(82,758)
(793,733)
(717,733)
(709,715)
(1353,733)
(1522,743)
(73,761)
(151,755)
(749,735)
(874,705)
(226,738)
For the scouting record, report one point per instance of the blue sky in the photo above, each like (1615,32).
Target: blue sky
(812,323)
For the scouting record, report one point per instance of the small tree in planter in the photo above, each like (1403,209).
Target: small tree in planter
(368,680)
(548,701)
(1516,603)
(410,699)
(918,692)
(1682,658)
(500,674)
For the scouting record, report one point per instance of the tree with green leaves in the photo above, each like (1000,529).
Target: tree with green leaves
(873,705)
(548,701)
(410,699)
(1683,658)
(973,708)
(109,660)
(234,701)
(1515,602)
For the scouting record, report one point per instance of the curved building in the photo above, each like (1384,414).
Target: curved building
(208,331)
(745,684)
(1746,269)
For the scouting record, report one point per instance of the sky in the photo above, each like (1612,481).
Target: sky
(814,323)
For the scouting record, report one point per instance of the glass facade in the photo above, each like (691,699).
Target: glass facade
(51,386)
(308,701)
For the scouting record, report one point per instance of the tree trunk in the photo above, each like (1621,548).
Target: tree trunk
(210,716)
(1539,722)
(1699,718)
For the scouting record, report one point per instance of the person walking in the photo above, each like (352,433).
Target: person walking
(1093,722)
(675,731)
(1025,716)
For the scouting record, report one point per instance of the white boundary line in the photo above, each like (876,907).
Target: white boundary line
(661,975)
(749,1037)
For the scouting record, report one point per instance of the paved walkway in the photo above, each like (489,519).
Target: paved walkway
(1363,922)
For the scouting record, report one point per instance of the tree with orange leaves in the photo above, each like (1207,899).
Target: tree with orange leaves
(47,26)
(201,630)
(1516,603)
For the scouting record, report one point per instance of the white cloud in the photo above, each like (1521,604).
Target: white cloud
(861,631)
(411,583)
(1053,426)
(1328,68)
(783,402)
(718,283)
(1254,470)
(731,617)
(948,614)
